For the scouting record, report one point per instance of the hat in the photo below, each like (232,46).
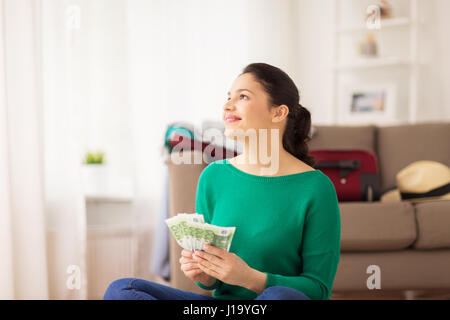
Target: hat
(421,181)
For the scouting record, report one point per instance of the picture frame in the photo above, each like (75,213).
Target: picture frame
(368,104)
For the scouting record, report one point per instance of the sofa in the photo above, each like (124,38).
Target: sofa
(408,243)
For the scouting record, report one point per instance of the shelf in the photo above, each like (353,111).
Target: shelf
(124,194)
(109,197)
(364,63)
(385,23)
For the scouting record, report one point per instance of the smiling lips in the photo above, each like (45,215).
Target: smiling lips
(231,118)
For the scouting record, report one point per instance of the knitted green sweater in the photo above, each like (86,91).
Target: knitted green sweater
(287,226)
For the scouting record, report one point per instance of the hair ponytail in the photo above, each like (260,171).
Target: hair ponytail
(282,90)
(297,134)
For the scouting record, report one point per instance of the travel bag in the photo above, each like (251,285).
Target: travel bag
(354,173)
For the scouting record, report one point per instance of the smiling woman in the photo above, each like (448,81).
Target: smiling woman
(287,239)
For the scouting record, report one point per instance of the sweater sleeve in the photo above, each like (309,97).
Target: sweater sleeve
(320,249)
(204,206)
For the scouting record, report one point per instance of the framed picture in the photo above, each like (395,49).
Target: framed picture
(368,104)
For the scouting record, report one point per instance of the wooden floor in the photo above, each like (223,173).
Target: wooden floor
(393,295)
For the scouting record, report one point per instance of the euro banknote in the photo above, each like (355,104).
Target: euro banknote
(191,232)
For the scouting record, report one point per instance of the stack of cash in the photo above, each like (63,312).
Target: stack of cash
(191,232)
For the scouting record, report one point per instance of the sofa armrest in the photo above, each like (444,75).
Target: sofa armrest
(183,179)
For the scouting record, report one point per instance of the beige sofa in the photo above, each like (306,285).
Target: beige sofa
(410,243)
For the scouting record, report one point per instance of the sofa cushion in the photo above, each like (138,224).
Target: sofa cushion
(343,137)
(377,226)
(433,221)
(400,270)
(398,146)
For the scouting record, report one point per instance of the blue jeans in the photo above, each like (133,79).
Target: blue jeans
(139,289)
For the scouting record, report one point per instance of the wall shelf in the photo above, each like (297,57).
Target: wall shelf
(364,63)
(109,198)
(384,24)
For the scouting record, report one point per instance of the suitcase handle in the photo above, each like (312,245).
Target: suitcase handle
(341,164)
(345,166)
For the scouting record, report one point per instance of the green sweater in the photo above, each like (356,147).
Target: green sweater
(286,226)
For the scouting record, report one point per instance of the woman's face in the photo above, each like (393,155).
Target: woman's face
(247,101)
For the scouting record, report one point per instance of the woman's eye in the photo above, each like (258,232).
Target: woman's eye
(242,95)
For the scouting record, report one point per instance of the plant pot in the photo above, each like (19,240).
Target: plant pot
(95,179)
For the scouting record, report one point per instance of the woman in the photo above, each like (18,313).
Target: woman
(287,239)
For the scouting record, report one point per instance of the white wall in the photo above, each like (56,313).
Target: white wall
(436,83)
(315,57)
(210,42)
(272,28)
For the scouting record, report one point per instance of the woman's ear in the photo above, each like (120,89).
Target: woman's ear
(279,113)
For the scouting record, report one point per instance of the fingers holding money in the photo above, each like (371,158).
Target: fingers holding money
(209,268)
(194,272)
(210,264)
(223,265)
(189,266)
(186,253)
(201,255)
(184,260)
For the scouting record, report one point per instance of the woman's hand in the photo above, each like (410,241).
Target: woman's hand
(191,270)
(225,266)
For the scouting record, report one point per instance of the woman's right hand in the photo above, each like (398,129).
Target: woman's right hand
(191,270)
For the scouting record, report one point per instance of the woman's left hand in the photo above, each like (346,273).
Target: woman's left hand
(223,265)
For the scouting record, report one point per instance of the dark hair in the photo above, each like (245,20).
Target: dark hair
(282,90)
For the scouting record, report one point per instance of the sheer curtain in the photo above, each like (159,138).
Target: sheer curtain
(42,210)
(23,267)
(86,107)
(63,124)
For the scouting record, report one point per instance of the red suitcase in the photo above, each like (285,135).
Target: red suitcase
(354,173)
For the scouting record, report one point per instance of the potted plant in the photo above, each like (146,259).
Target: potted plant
(94,173)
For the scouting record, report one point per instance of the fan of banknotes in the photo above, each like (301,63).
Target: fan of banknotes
(191,232)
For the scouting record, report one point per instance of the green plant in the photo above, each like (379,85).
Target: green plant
(94,157)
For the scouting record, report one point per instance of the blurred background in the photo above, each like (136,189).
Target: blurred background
(88,89)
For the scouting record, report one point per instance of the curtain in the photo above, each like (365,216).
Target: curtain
(63,124)
(42,209)
(23,267)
